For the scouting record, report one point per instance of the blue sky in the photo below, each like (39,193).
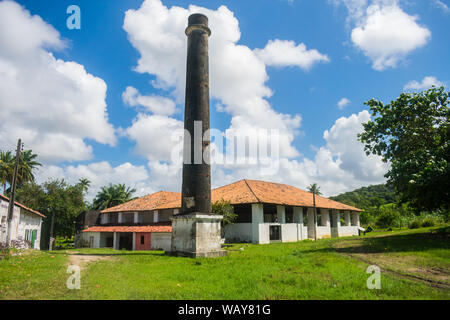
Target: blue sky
(309,54)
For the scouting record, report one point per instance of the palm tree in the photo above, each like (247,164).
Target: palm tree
(6,168)
(27,164)
(112,195)
(315,189)
(84,183)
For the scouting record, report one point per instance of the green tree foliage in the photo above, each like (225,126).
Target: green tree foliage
(6,168)
(368,197)
(225,209)
(412,133)
(27,164)
(112,195)
(56,197)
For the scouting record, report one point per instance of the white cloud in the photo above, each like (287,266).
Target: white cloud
(156,104)
(100,174)
(152,134)
(426,83)
(343,103)
(283,53)
(383,31)
(388,35)
(441,5)
(53,105)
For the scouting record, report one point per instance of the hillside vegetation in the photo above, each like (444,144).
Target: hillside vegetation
(367,197)
(382,209)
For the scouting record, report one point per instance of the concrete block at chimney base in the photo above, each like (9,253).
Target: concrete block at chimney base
(197,235)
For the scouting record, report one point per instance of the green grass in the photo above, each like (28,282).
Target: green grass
(326,269)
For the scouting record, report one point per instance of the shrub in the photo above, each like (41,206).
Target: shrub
(415,224)
(369,229)
(387,218)
(365,218)
(64,243)
(428,222)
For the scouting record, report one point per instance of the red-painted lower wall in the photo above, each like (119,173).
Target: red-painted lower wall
(146,238)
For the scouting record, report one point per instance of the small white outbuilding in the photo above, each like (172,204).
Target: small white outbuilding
(25,225)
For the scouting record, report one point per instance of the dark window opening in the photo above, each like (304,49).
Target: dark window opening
(244,213)
(270,213)
(275,233)
(289,214)
(142,239)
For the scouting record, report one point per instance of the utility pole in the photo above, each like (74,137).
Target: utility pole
(315,216)
(52,223)
(13,191)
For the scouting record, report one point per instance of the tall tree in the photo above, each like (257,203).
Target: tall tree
(27,166)
(225,209)
(112,195)
(412,133)
(6,168)
(54,198)
(315,190)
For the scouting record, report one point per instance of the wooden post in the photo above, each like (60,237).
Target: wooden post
(13,191)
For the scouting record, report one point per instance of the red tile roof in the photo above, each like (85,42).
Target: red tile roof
(159,228)
(275,193)
(241,192)
(22,206)
(155,201)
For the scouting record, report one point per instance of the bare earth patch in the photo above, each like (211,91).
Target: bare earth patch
(75,258)
(408,266)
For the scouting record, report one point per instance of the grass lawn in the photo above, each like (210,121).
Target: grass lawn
(415,265)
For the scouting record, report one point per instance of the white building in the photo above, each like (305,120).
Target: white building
(266,212)
(25,225)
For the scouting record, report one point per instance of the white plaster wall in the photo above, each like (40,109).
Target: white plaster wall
(257,219)
(161,241)
(238,232)
(302,232)
(3,220)
(281,214)
(323,232)
(29,221)
(87,235)
(289,232)
(22,220)
(310,213)
(263,231)
(347,231)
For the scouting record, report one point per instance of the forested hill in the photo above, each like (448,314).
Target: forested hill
(366,197)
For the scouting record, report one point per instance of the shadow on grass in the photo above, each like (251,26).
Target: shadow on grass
(131,253)
(415,242)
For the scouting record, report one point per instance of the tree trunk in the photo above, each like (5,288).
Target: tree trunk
(315,217)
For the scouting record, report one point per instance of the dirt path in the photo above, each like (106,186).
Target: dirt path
(81,260)
(400,266)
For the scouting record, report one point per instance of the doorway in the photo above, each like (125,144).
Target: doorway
(275,233)
(126,241)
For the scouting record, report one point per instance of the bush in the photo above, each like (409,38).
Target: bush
(64,243)
(369,229)
(387,218)
(366,217)
(415,224)
(428,222)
